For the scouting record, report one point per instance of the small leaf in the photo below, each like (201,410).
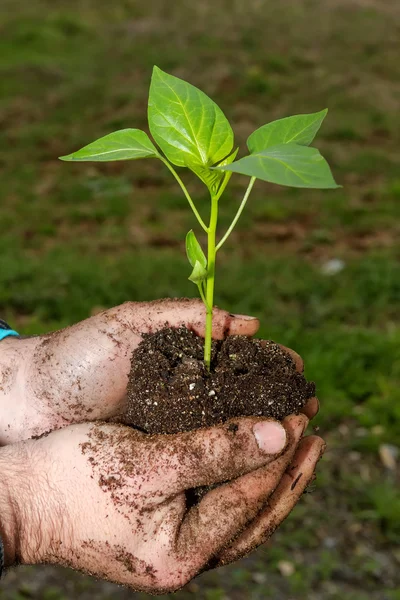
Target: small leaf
(216,181)
(188,126)
(299,129)
(287,164)
(121,145)
(194,251)
(198,274)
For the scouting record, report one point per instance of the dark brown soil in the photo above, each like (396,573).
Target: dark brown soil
(170,389)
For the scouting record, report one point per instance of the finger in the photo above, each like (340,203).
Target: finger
(281,502)
(298,361)
(311,408)
(217,454)
(191,313)
(226,510)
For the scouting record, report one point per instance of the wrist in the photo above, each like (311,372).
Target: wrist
(10,492)
(23,496)
(18,419)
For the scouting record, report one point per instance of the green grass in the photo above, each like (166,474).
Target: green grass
(78,237)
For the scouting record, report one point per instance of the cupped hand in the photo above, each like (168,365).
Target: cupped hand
(111,501)
(80,373)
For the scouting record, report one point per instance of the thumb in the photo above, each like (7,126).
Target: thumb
(218,454)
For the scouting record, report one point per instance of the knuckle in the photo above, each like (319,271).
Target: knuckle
(222,321)
(209,455)
(169,580)
(129,306)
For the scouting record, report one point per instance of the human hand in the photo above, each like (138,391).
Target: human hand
(81,373)
(110,501)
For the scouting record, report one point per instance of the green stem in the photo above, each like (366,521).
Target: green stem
(201,292)
(212,232)
(237,216)
(187,195)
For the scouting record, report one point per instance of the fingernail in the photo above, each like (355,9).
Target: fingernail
(270,436)
(321,452)
(243,317)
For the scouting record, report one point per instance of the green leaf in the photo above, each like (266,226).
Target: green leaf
(198,274)
(216,181)
(194,251)
(299,129)
(286,164)
(121,145)
(188,126)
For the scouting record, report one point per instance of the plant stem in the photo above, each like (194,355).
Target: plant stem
(211,252)
(201,292)
(187,195)
(237,216)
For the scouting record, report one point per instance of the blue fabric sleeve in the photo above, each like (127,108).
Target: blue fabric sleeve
(6,331)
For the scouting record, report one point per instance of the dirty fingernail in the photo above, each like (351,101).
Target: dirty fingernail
(270,436)
(244,317)
(322,450)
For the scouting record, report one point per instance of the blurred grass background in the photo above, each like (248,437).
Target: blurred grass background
(320,269)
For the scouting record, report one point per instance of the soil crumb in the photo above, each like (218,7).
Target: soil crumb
(170,390)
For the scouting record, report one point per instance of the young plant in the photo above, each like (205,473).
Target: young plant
(192,132)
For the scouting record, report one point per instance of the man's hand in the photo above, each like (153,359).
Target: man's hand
(81,373)
(110,501)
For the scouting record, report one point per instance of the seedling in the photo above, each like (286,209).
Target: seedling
(191,131)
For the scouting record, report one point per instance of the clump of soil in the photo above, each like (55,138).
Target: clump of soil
(171,391)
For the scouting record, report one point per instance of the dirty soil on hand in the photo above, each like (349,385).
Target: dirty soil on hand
(170,390)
